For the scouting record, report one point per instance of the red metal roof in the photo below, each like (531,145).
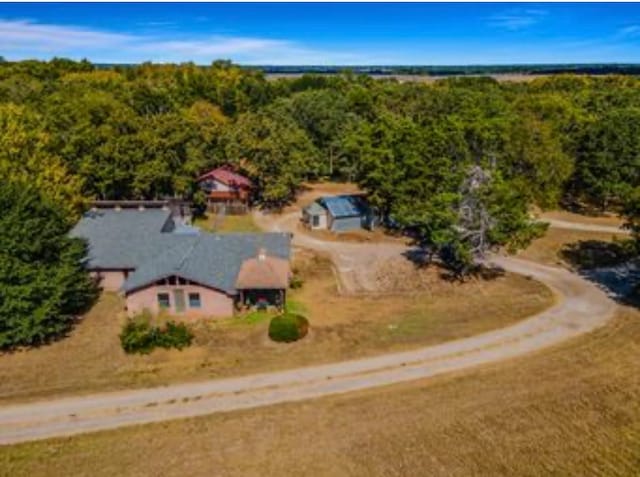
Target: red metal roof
(227,176)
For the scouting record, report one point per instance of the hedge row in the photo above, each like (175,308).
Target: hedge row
(140,336)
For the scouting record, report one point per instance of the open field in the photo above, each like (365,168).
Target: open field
(343,327)
(407,78)
(569,410)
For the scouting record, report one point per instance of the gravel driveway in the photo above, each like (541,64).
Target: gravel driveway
(581,307)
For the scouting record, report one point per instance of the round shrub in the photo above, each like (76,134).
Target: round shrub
(288,327)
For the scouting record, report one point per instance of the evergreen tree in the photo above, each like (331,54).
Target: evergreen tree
(43,284)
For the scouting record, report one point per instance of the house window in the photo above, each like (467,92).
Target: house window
(164,301)
(316,221)
(194,300)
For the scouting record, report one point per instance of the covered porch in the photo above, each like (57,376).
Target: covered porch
(262,282)
(262,299)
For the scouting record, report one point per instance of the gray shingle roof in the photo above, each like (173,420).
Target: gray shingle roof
(146,242)
(120,239)
(209,259)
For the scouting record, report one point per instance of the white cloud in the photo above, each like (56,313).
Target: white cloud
(516,19)
(630,31)
(28,39)
(25,34)
(156,23)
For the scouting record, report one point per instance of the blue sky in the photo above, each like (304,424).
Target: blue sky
(324,34)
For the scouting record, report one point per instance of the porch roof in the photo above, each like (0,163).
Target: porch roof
(263,273)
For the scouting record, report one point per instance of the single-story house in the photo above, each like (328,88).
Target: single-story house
(223,186)
(159,265)
(338,213)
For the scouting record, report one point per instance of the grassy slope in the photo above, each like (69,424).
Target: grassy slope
(570,410)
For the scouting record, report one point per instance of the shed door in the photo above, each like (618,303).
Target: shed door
(178,299)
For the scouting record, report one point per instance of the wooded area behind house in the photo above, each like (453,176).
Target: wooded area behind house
(148,131)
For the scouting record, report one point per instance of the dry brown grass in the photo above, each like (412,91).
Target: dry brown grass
(353,236)
(569,410)
(91,359)
(609,219)
(228,223)
(314,190)
(547,248)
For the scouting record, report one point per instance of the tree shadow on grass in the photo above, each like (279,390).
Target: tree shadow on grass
(422,257)
(613,266)
(590,254)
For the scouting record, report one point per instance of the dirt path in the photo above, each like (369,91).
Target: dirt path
(564,224)
(354,262)
(580,308)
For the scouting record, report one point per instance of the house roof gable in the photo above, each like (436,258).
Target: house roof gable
(213,260)
(263,272)
(227,176)
(149,243)
(315,209)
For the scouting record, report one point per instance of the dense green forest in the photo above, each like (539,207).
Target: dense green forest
(461,160)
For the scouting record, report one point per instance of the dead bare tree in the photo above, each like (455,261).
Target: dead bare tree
(474,220)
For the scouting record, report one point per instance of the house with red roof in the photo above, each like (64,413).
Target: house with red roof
(224,186)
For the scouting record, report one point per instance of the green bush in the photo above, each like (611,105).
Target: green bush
(296,282)
(288,327)
(140,336)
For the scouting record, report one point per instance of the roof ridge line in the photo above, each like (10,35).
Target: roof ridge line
(190,249)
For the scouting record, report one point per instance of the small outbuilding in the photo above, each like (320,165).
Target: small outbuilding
(338,213)
(315,216)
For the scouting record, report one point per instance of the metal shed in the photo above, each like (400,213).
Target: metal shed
(345,212)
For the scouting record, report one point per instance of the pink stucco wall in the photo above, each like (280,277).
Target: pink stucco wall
(109,280)
(213,303)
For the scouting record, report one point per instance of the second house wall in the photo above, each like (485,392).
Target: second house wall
(212,303)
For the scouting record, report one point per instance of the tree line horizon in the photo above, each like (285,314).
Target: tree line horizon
(148,131)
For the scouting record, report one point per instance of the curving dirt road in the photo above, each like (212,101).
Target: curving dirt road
(580,308)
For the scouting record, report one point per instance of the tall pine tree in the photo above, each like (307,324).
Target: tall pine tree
(43,284)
